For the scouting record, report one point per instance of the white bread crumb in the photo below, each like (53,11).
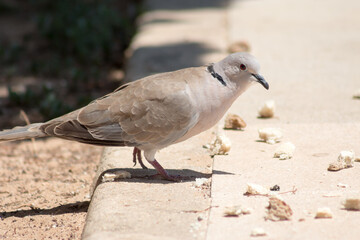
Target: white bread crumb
(278,210)
(352,203)
(258,232)
(345,160)
(236,210)
(323,212)
(221,145)
(256,189)
(270,135)
(233,121)
(112,176)
(268,109)
(285,151)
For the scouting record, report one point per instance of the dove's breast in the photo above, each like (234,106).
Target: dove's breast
(212,100)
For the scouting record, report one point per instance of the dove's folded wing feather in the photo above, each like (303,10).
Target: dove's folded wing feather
(156,110)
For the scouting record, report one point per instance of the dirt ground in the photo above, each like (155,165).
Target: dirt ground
(44,188)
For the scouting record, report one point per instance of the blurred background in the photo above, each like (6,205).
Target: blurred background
(56,56)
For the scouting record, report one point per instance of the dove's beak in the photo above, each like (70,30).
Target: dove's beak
(261,80)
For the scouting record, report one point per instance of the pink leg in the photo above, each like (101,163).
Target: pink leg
(137,156)
(162,172)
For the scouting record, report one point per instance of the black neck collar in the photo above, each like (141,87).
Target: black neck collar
(210,68)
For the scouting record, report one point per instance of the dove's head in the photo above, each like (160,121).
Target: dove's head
(242,69)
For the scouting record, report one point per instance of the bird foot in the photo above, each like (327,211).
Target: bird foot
(137,158)
(163,174)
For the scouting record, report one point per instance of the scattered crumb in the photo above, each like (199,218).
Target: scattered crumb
(233,121)
(199,182)
(278,210)
(336,166)
(332,194)
(275,188)
(352,203)
(267,110)
(342,185)
(246,210)
(112,176)
(270,135)
(239,46)
(285,151)
(235,211)
(324,212)
(345,160)
(201,217)
(256,189)
(220,145)
(347,157)
(258,232)
(357,159)
(357,94)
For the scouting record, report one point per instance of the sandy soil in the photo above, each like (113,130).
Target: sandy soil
(44,188)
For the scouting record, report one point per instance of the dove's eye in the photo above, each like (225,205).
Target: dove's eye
(243,67)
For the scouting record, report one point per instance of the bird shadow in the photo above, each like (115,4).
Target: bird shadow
(76,207)
(234,129)
(188,4)
(149,175)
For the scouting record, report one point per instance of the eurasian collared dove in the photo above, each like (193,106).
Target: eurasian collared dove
(156,111)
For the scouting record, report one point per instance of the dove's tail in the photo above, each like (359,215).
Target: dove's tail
(19,133)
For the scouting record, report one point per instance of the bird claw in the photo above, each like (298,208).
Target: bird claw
(137,158)
(163,174)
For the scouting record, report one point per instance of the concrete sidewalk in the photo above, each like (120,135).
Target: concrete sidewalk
(309,52)
(172,35)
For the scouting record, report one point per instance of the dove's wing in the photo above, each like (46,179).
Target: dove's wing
(155,111)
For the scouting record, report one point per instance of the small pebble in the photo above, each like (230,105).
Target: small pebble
(342,185)
(275,188)
(336,166)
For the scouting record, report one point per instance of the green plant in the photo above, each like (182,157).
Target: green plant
(10,53)
(73,45)
(92,32)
